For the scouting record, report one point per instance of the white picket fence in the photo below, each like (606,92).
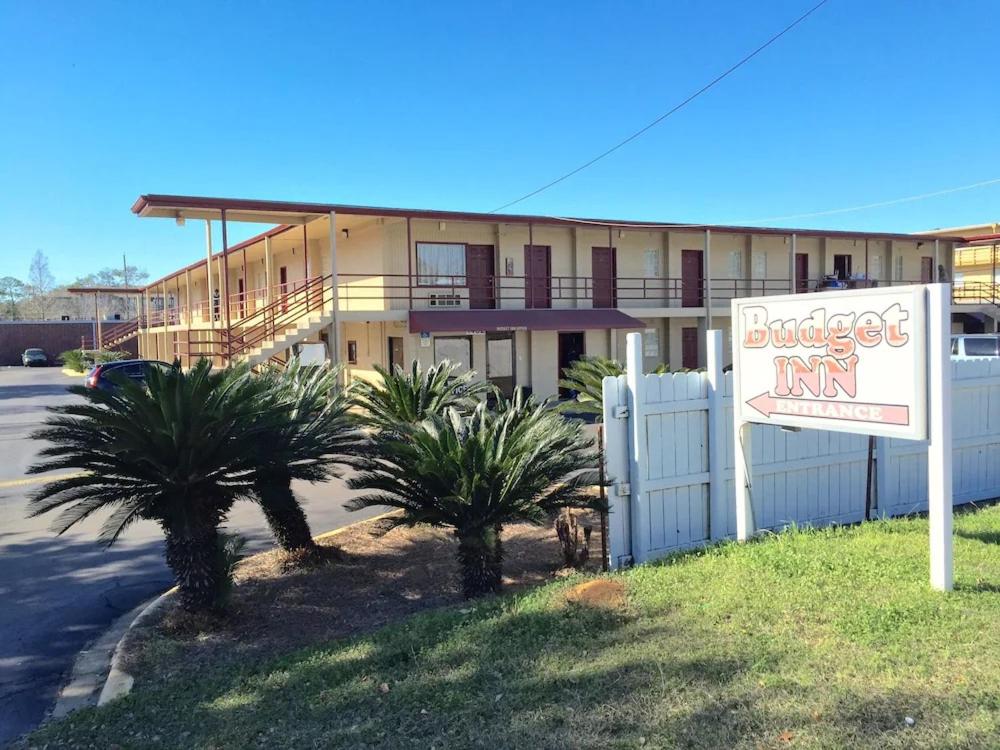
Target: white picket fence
(669,456)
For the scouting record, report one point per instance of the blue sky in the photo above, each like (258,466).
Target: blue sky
(468,105)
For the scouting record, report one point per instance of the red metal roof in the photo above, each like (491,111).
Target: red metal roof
(151,204)
(452,321)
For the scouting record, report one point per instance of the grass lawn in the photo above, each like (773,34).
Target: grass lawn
(820,639)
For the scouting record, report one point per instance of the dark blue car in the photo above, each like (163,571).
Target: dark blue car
(136,370)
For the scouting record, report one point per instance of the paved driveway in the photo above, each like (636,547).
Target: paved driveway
(58,593)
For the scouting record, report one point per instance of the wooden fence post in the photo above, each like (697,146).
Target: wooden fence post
(716,437)
(635,381)
(616,470)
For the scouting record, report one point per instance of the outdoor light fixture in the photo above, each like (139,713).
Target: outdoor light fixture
(346,232)
(180,220)
(441,226)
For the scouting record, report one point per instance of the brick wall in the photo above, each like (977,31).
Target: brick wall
(53,336)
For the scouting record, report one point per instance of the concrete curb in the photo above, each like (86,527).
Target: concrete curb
(99,677)
(119,682)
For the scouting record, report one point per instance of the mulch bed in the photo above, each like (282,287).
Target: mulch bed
(373,578)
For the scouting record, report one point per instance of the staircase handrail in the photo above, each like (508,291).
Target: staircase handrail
(274,318)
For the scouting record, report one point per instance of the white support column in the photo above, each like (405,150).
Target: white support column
(268,270)
(188,306)
(635,382)
(935,274)
(708,278)
(716,437)
(792,281)
(334,322)
(208,272)
(939,449)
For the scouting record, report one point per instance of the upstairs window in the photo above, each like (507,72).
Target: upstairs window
(440,264)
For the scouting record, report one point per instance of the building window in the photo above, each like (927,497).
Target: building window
(898,260)
(352,352)
(455,349)
(440,264)
(736,264)
(652,264)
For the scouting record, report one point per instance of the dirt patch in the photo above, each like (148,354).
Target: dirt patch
(602,593)
(375,578)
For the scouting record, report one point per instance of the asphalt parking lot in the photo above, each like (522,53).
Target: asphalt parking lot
(57,594)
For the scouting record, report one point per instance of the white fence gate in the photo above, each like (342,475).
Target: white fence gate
(669,456)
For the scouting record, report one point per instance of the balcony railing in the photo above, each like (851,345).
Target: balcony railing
(368,292)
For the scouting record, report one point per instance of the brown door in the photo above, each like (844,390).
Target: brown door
(926,270)
(570,350)
(689,348)
(692,278)
(604,267)
(479,272)
(538,270)
(241,290)
(801,272)
(395,352)
(283,287)
(842,265)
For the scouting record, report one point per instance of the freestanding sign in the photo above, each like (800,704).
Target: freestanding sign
(851,361)
(872,361)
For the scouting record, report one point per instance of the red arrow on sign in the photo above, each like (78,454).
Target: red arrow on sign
(848,411)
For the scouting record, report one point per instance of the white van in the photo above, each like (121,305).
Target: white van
(975,345)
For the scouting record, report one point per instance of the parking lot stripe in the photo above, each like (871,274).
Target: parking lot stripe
(4,484)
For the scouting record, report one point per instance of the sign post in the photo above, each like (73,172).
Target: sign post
(871,361)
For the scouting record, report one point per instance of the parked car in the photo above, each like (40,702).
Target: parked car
(974,345)
(104,375)
(34,358)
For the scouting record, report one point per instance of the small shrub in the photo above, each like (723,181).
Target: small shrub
(100,357)
(74,359)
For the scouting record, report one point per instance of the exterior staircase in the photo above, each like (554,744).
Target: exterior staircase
(980,298)
(118,334)
(283,323)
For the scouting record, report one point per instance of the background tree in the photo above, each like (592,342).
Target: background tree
(40,284)
(115,277)
(12,292)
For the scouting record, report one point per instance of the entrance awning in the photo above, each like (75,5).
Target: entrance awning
(450,321)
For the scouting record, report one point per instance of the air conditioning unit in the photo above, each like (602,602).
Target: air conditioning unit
(445,300)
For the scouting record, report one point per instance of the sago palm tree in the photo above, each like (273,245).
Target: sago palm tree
(475,473)
(405,397)
(308,434)
(173,452)
(586,377)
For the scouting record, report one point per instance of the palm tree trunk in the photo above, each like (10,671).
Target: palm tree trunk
(193,556)
(480,556)
(285,516)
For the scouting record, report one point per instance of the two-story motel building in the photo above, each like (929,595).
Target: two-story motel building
(513,297)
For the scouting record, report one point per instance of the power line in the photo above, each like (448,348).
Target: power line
(749,222)
(879,204)
(665,115)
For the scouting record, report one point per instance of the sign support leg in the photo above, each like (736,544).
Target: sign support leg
(939,452)
(744,508)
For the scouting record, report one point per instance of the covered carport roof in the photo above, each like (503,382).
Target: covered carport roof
(106,289)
